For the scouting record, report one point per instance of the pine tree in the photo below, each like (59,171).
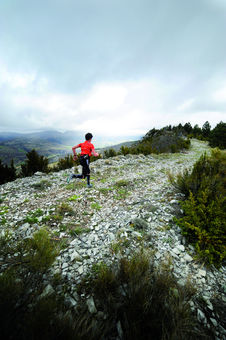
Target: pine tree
(34,163)
(206,128)
(218,136)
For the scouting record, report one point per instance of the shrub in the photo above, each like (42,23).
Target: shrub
(42,185)
(204,220)
(130,297)
(110,153)
(121,183)
(138,301)
(32,217)
(64,163)
(204,224)
(207,172)
(41,252)
(124,150)
(23,312)
(65,208)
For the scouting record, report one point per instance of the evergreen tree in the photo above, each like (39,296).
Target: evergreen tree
(34,163)
(187,128)
(218,136)
(197,131)
(7,174)
(206,128)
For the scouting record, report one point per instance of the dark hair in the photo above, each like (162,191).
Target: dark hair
(88,136)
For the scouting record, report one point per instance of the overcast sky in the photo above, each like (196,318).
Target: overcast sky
(111,67)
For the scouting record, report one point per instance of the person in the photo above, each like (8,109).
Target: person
(87,149)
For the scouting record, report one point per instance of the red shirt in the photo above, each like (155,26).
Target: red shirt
(86,148)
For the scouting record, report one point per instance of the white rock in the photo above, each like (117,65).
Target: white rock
(74,242)
(201,272)
(111,237)
(39,173)
(47,291)
(176,251)
(201,315)
(214,322)
(157,255)
(75,255)
(64,265)
(181,247)
(81,270)
(173,202)
(188,258)
(91,305)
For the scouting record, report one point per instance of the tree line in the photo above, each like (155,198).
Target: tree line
(173,139)
(168,139)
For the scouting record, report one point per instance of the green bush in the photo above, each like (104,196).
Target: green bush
(24,313)
(64,163)
(42,185)
(65,208)
(131,295)
(207,172)
(144,302)
(204,224)
(204,219)
(110,153)
(40,252)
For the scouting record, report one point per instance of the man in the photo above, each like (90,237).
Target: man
(87,149)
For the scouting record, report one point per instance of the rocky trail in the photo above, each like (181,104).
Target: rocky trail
(132,203)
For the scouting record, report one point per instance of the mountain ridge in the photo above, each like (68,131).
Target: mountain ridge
(52,144)
(126,190)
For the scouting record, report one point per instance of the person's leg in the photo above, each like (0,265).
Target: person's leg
(78,176)
(70,177)
(87,171)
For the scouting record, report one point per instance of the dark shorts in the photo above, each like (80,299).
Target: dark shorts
(84,161)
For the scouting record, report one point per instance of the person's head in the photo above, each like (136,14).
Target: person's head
(88,136)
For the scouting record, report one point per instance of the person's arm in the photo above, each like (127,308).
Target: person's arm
(74,151)
(94,153)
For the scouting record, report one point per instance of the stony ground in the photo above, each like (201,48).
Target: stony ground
(132,203)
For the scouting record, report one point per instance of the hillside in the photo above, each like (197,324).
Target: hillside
(117,147)
(131,203)
(51,144)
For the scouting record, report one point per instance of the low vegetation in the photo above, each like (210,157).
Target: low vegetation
(130,297)
(204,207)
(25,311)
(155,141)
(137,301)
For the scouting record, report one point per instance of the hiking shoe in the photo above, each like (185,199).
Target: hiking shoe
(70,178)
(89,186)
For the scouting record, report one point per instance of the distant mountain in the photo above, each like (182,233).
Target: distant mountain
(4,136)
(117,147)
(51,144)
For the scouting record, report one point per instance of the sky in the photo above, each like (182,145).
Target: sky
(111,67)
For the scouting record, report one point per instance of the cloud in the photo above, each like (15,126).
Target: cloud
(104,97)
(186,105)
(220,95)
(116,67)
